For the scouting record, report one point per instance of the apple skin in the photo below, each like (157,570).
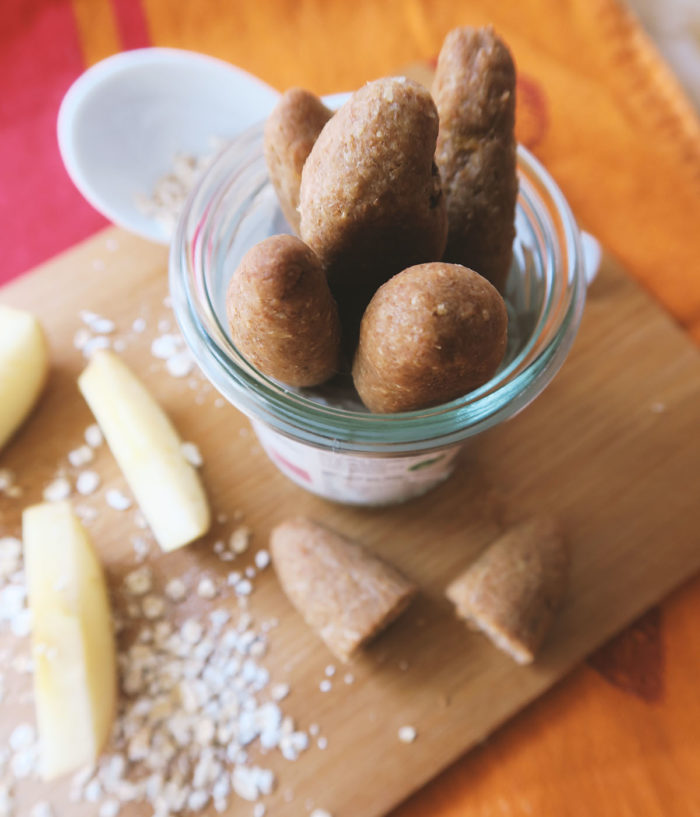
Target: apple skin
(75,667)
(148,450)
(24,365)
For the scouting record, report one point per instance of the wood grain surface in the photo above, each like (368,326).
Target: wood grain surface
(611,448)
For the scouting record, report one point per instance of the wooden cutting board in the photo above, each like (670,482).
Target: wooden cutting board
(612,448)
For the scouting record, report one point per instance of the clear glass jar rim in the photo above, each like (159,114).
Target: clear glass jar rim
(301,418)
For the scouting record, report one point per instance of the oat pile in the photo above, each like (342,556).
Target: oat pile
(201,723)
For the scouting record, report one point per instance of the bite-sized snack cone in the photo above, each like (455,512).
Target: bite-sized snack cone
(512,591)
(371,200)
(290,133)
(474,90)
(281,313)
(431,334)
(344,593)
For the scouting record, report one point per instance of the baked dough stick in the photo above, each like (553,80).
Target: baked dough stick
(290,132)
(512,591)
(474,90)
(371,200)
(344,593)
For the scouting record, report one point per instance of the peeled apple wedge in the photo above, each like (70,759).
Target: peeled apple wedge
(24,363)
(75,675)
(147,449)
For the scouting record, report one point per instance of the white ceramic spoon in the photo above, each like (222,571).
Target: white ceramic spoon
(122,122)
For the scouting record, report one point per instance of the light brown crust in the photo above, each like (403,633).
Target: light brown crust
(290,132)
(474,90)
(514,589)
(281,314)
(431,334)
(344,593)
(371,199)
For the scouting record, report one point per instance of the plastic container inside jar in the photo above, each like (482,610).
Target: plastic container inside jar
(334,448)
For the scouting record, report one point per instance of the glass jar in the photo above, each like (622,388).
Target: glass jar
(338,449)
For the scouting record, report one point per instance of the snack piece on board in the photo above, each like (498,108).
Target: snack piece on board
(431,334)
(344,593)
(371,199)
(290,133)
(513,590)
(281,313)
(474,90)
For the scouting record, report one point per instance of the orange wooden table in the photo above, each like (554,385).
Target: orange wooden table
(597,106)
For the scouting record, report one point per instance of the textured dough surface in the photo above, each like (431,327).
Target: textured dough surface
(515,587)
(431,334)
(290,132)
(344,593)
(281,314)
(474,90)
(371,199)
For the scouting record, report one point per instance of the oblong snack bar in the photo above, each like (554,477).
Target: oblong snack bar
(281,313)
(371,200)
(344,593)
(430,334)
(474,90)
(290,132)
(512,591)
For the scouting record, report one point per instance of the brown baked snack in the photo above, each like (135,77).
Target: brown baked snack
(282,316)
(512,591)
(430,334)
(474,90)
(290,133)
(344,593)
(371,200)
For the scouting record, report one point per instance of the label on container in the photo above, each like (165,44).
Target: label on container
(356,479)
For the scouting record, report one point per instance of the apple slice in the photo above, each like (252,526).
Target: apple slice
(75,676)
(24,363)
(148,451)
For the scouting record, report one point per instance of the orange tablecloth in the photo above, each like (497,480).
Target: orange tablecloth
(620,736)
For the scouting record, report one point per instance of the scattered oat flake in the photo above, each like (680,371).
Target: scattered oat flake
(175,590)
(22,737)
(262,559)
(109,808)
(138,582)
(57,490)
(240,539)
(407,734)
(94,344)
(87,482)
(206,589)
(192,454)
(80,456)
(93,436)
(279,692)
(244,587)
(153,607)
(98,324)
(117,500)
(41,809)
(180,364)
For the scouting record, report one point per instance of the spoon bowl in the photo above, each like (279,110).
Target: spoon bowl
(122,122)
